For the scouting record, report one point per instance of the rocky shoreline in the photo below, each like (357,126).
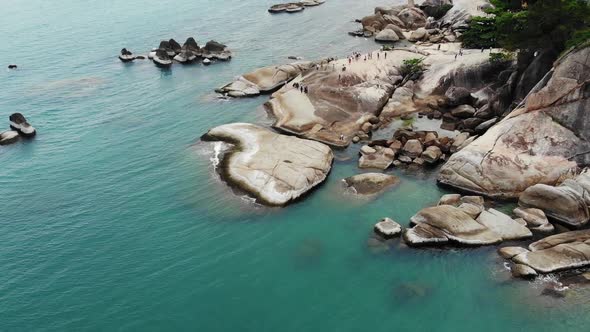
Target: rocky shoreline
(511,129)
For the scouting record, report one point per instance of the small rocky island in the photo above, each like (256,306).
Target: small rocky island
(294,7)
(170,51)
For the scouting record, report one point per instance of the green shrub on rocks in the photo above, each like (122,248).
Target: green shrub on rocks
(548,24)
(412,68)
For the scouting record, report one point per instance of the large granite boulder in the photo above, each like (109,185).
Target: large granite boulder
(563,251)
(216,50)
(412,17)
(387,35)
(541,142)
(444,224)
(264,80)
(276,169)
(370,183)
(562,203)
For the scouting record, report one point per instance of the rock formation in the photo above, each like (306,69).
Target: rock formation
(539,143)
(387,228)
(559,252)
(341,97)
(9,137)
(370,183)
(276,169)
(567,203)
(464,221)
(265,80)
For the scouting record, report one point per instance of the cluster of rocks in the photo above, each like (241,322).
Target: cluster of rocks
(391,24)
(370,184)
(411,147)
(20,128)
(465,112)
(541,142)
(464,220)
(565,251)
(189,52)
(170,50)
(294,7)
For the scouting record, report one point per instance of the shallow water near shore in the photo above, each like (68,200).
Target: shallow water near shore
(113,218)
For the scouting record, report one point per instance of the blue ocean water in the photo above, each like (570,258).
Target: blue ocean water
(113,218)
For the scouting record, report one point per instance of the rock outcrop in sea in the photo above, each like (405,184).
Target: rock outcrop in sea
(170,50)
(265,80)
(565,251)
(541,142)
(294,7)
(19,123)
(275,169)
(463,221)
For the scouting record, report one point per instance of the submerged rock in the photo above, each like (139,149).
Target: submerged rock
(377,157)
(276,169)
(370,183)
(523,271)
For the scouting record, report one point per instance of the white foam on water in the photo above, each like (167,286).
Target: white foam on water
(218,149)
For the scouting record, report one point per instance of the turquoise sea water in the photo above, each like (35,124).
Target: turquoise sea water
(113,218)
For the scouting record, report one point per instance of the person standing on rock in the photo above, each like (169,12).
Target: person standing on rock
(306,90)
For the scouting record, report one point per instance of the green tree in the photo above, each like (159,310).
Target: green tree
(541,24)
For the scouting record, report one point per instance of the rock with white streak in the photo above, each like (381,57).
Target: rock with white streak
(275,169)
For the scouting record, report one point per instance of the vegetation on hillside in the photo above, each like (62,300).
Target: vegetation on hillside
(540,24)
